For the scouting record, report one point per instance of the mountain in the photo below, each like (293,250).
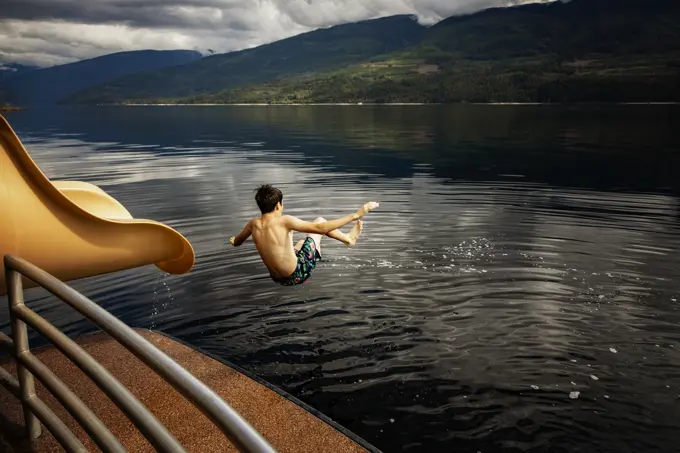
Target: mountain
(318,50)
(570,29)
(8,71)
(50,85)
(575,51)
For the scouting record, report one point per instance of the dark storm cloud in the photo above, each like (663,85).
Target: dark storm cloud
(135,13)
(47,32)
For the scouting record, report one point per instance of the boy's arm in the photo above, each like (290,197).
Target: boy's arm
(242,236)
(293,223)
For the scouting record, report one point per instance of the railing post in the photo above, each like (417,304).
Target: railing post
(15,295)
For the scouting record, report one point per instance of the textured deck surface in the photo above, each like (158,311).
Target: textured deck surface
(288,427)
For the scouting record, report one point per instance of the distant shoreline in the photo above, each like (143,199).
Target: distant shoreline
(9,108)
(343,104)
(262,104)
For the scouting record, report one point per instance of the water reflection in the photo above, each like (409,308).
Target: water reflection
(514,250)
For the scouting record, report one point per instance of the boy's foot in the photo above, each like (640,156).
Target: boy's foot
(354,234)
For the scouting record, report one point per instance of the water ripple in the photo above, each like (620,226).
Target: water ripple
(474,305)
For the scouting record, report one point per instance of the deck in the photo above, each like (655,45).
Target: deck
(284,422)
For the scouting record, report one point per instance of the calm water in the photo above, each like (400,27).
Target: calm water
(521,253)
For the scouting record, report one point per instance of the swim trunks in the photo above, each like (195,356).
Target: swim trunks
(307,257)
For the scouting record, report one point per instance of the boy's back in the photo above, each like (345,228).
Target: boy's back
(274,242)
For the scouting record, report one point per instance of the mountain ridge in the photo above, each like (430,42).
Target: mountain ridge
(331,47)
(50,85)
(575,51)
(11,70)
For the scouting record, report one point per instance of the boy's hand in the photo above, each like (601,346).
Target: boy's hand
(368,207)
(232,240)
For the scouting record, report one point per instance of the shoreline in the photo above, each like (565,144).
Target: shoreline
(262,104)
(343,104)
(8,108)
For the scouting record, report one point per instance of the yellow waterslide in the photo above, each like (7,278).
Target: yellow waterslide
(74,229)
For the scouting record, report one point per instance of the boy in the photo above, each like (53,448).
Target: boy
(273,237)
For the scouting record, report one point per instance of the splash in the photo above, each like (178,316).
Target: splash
(162,298)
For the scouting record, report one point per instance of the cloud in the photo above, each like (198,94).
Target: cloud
(48,32)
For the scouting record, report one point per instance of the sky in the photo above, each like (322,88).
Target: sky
(49,32)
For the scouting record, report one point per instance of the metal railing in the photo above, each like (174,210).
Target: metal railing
(230,422)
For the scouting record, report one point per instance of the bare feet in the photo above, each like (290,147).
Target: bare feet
(354,234)
(368,207)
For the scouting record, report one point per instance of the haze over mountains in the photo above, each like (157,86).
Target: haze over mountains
(582,50)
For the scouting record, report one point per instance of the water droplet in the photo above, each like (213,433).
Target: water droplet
(391,420)
(573,383)
(613,350)
(606,396)
(594,378)
(574,395)
(535,387)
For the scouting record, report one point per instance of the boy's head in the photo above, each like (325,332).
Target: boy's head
(268,198)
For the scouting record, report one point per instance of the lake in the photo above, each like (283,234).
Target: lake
(520,254)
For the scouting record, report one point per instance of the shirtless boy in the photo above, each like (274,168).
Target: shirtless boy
(273,237)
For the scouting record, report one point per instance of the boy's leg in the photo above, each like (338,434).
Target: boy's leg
(335,234)
(317,237)
(348,239)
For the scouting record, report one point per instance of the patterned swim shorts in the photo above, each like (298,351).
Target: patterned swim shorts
(307,258)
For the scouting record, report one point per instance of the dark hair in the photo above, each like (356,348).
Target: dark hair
(267,197)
